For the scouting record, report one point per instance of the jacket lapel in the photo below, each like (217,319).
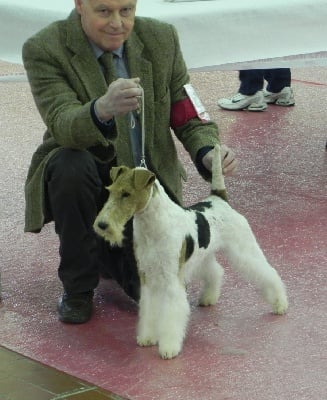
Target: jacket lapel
(83,59)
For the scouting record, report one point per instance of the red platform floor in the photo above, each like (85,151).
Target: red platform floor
(236,350)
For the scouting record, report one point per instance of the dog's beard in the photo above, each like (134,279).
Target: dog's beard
(111,234)
(114,240)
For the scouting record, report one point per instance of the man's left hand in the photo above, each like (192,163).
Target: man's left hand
(229,162)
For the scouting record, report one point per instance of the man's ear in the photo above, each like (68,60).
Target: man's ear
(78,6)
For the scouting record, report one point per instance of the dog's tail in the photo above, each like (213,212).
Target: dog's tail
(218,183)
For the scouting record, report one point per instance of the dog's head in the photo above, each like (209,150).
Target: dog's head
(129,193)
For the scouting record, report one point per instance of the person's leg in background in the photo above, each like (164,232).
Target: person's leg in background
(250,95)
(278,90)
(251,80)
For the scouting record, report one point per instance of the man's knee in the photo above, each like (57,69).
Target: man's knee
(72,168)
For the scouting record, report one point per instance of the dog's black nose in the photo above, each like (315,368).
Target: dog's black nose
(102,225)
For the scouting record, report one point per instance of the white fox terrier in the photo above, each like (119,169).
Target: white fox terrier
(174,245)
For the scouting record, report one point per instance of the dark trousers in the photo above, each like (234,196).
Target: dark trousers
(252,80)
(75,193)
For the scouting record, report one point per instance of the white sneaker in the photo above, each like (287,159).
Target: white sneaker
(240,101)
(284,98)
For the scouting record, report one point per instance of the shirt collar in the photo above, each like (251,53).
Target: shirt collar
(98,52)
(119,52)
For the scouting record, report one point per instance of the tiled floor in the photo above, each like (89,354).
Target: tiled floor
(236,350)
(24,379)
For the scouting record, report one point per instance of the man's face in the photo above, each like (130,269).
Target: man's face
(108,23)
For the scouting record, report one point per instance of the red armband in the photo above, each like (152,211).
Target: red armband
(184,110)
(181,112)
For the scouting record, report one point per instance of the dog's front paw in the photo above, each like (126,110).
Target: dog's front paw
(145,341)
(168,352)
(208,299)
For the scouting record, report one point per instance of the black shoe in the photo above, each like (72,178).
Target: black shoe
(75,308)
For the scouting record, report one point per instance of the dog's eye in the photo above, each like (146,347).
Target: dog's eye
(125,194)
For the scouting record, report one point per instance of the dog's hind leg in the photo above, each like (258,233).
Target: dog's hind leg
(211,274)
(172,320)
(246,256)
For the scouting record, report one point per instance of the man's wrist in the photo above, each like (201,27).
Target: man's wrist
(100,118)
(104,126)
(199,164)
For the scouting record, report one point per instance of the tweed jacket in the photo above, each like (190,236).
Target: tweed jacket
(65,77)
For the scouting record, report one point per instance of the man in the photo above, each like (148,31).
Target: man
(87,105)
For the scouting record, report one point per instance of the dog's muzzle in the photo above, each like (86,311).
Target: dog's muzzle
(106,231)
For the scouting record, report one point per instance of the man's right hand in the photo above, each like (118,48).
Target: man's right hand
(121,97)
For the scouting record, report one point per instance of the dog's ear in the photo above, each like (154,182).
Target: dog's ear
(143,178)
(116,171)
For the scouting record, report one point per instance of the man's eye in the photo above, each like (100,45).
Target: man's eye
(102,11)
(125,12)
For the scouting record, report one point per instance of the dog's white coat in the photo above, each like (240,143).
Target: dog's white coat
(160,230)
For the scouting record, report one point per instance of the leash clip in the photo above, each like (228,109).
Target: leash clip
(143,163)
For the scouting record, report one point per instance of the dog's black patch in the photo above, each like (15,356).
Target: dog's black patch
(202,206)
(203,230)
(189,247)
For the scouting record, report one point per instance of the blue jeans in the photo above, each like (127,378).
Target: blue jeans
(252,80)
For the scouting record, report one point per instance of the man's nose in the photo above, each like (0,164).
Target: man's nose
(115,20)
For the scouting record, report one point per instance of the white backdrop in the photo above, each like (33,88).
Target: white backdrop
(215,34)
